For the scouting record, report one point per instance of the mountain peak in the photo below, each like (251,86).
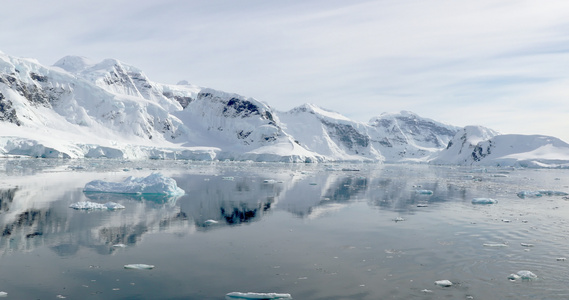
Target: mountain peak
(73,64)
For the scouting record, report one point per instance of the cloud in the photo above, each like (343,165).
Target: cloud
(481,62)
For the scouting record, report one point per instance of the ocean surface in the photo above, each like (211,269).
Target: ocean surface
(314,231)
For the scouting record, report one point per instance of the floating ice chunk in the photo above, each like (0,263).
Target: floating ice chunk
(541,193)
(139,267)
(3,294)
(529,194)
(426,291)
(514,277)
(499,175)
(526,245)
(269,181)
(249,295)
(155,183)
(422,205)
(561,259)
(87,205)
(444,283)
(119,245)
(398,219)
(210,222)
(495,245)
(484,201)
(524,274)
(424,192)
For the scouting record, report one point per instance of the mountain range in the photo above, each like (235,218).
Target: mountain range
(82,109)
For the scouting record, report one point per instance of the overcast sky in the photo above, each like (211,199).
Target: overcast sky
(503,64)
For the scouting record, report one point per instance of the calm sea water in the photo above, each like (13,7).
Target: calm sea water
(314,231)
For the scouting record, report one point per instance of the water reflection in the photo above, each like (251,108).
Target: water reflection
(37,213)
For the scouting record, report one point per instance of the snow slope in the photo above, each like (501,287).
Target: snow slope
(476,145)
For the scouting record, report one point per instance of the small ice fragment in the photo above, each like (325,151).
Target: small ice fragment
(524,274)
(561,259)
(60,297)
(513,277)
(526,245)
(119,245)
(443,283)
(484,201)
(3,294)
(210,222)
(250,295)
(398,219)
(426,291)
(495,245)
(553,193)
(269,181)
(422,205)
(139,266)
(424,192)
(529,194)
(506,220)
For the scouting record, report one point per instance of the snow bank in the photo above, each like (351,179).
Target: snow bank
(155,183)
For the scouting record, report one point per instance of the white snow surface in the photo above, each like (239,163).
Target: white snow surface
(84,109)
(155,183)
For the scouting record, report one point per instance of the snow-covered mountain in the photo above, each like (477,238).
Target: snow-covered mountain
(407,137)
(476,145)
(78,108)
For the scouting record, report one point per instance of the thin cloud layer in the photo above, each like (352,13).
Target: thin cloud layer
(500,64)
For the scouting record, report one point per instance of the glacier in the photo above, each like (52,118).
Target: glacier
(78,108)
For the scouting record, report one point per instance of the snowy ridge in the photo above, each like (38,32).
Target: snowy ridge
(78,108)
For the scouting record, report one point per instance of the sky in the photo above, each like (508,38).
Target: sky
(502,64)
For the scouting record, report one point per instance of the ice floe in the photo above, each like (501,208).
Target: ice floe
(210,222)
(424,192)
(87,205)
(3,294)
(155,183)
(541,193)
(443,283)
(250,295)
(139,267)
(496,245)
(524,275)
(484,201)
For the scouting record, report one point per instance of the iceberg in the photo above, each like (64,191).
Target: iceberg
(484,201)
(87,205)
(249,295)
(155,183)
